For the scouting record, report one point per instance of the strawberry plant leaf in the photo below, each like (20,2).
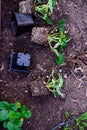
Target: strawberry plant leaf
(51,4)
(47,19)
(4,105)
(3,115)
(61,23)
(81,128)
(28,114)
(60,59)
(25,112)
(10,125)
(84,124)
(18,123)
(5,124)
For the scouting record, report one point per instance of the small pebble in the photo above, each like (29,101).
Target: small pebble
(11,44)
(85,43)
(86,93)
(60,70)
(1,81)
(28,122)
(25,37)
(26,91)
(65,76)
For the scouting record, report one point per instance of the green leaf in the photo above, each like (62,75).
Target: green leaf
(14,125)
(77,123)
(66,128)
(17,128)
(60,59)
(18,104)
(60,81)
(10,125)
(83,116)
(55,93)
(28,114)
(18,115)
(3,115)
(62,46)
(14,115)
(51,4)
(61,29)
(52,74)
(84,124)
(61,23)
(56,52)
(25,112)
(48,21)
(67,114)
(56,45)
(18,123)
(5,124)
(81,127)
(15,106)
(4,105)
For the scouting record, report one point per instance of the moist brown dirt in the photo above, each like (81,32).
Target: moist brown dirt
(47,111)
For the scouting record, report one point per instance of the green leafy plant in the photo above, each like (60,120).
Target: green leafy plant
(81,121)
(58,40)
(55,85)
(45,10)
(12,115)
(66,127)
(67,117)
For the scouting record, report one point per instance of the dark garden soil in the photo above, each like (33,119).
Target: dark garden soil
(47,111)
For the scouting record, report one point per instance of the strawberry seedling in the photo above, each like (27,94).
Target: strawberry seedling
(45,10)
(58,40)
(12,115)
(55,85)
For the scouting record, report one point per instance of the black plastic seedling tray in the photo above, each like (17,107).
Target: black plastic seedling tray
(20,61)
(21,23)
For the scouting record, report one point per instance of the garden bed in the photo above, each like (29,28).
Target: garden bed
(47,111)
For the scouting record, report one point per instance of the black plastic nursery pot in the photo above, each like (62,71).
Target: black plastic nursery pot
(21,23)
(20,61)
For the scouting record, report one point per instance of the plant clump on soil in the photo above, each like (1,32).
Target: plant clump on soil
(57,39)
(12,115)
(55,85)
(45,10)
